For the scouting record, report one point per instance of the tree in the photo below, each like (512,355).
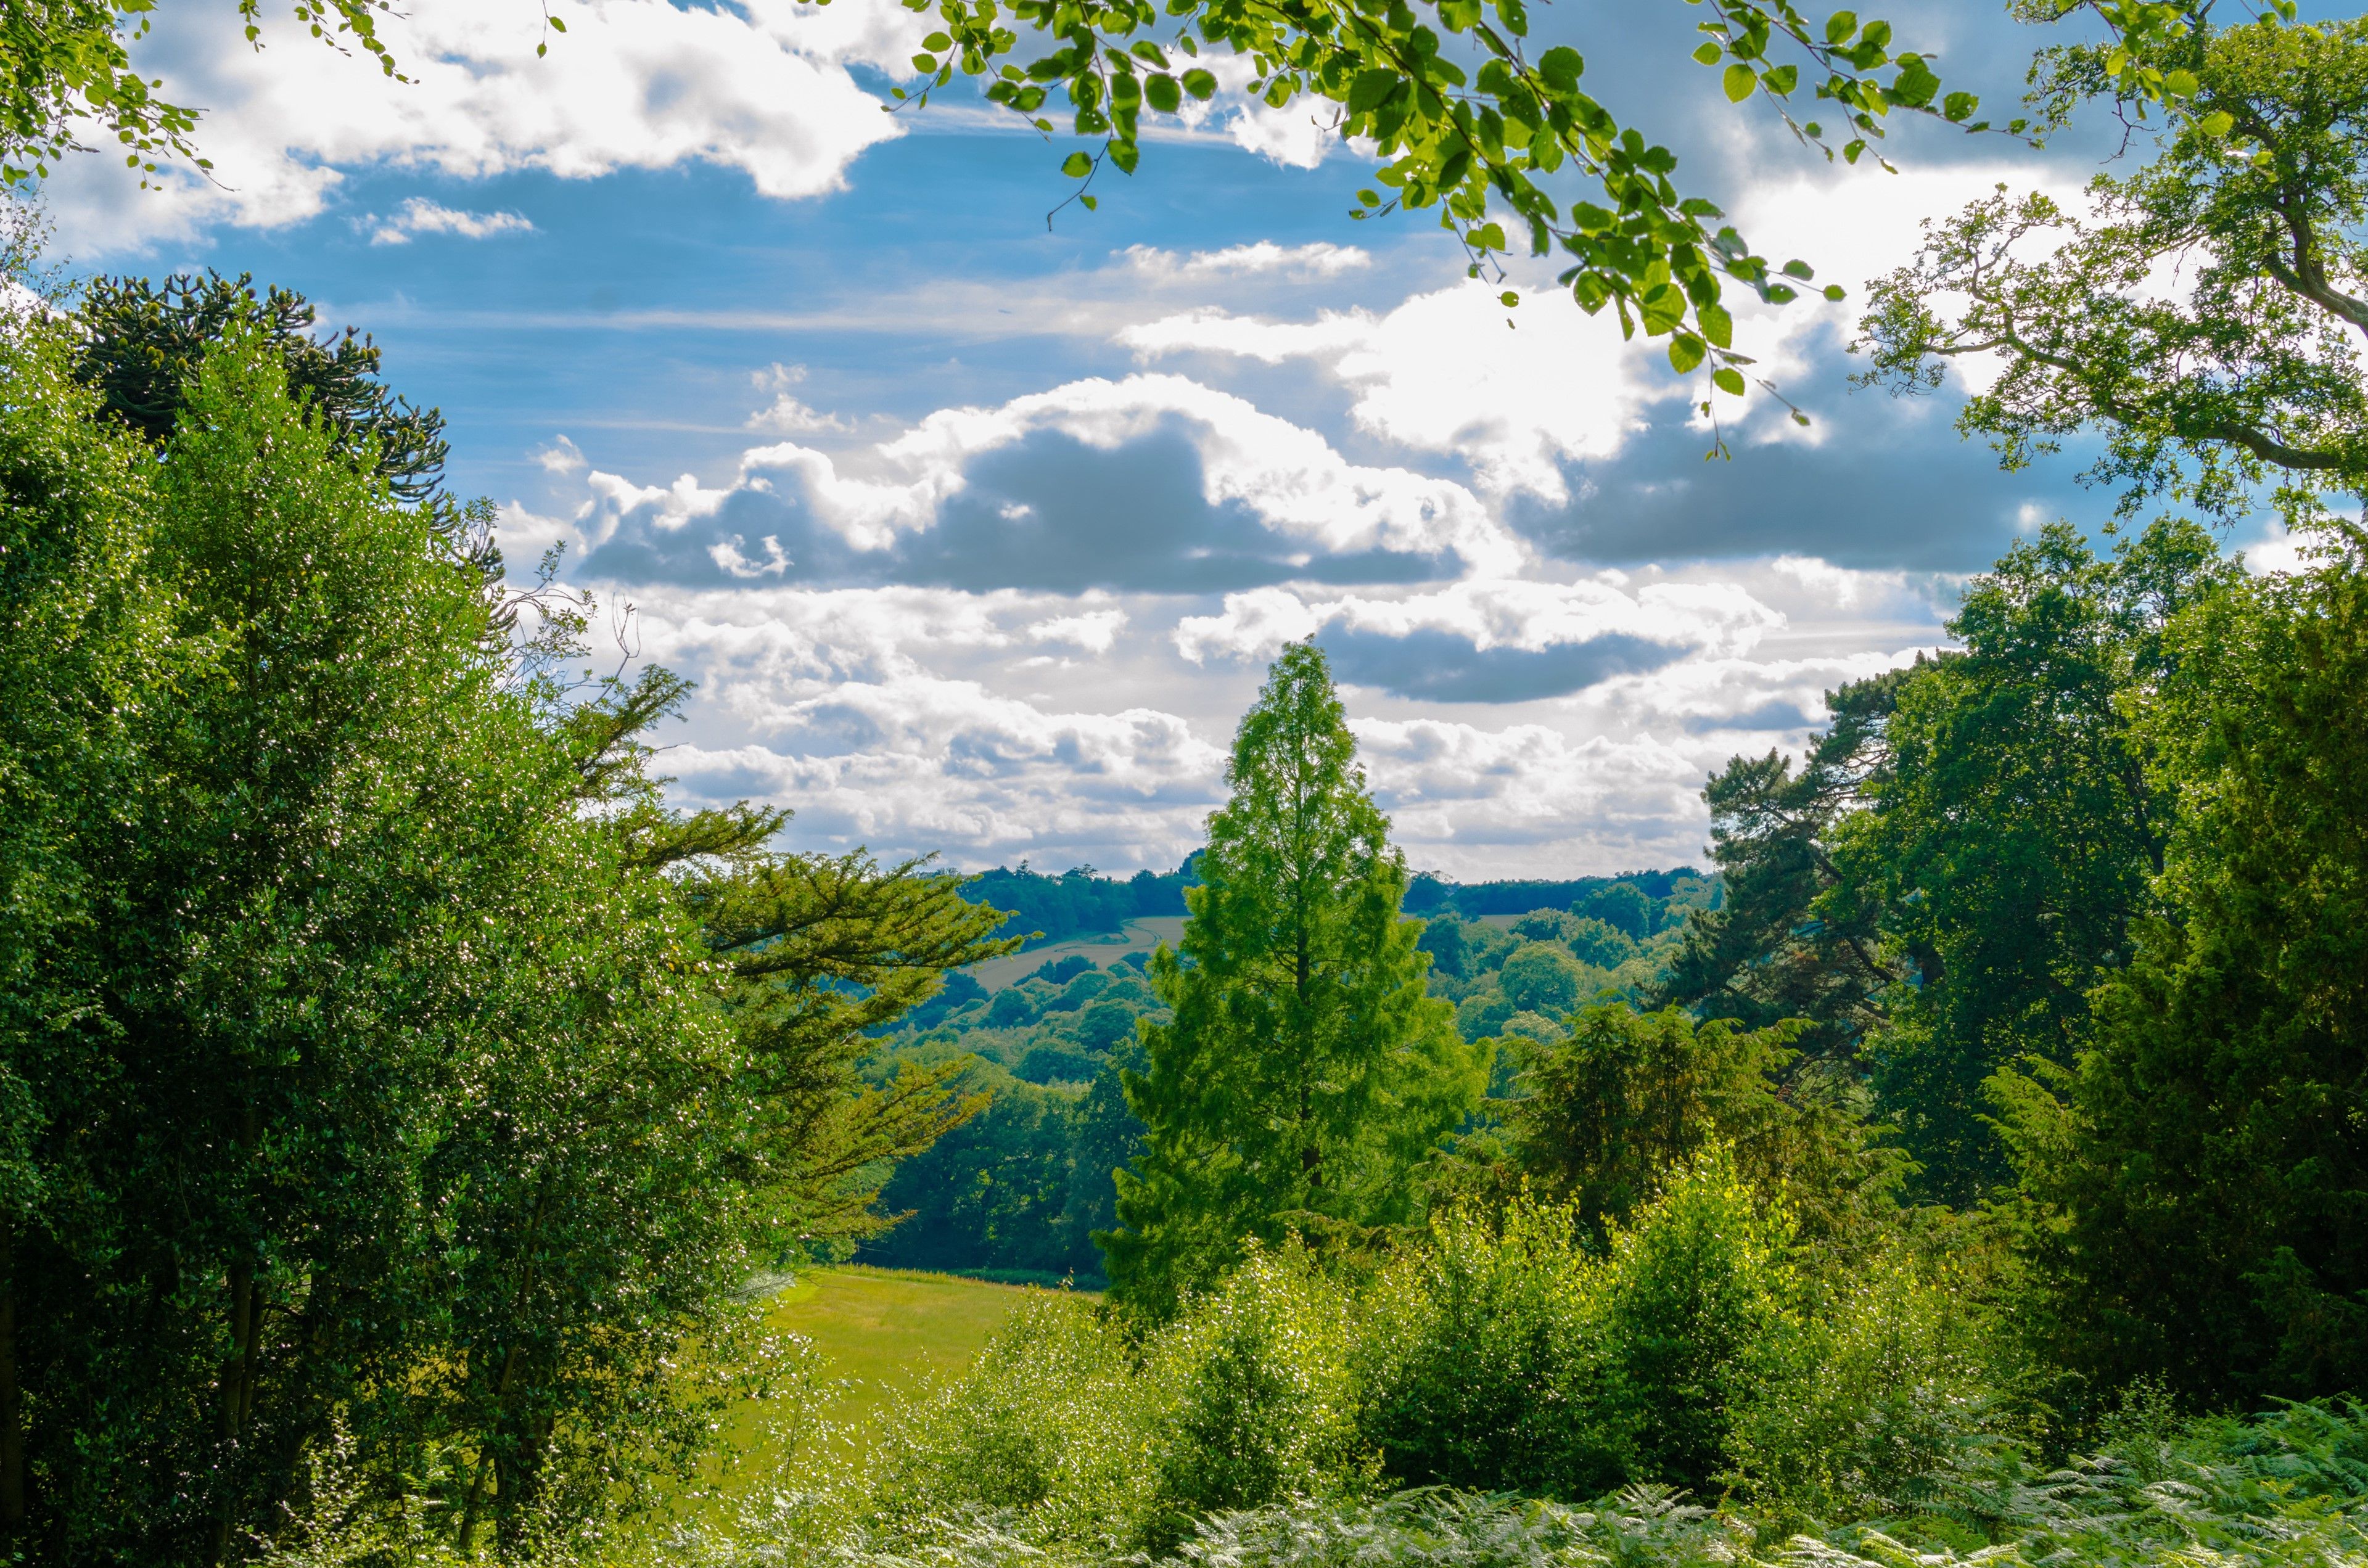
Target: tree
(377,1047)
(1935,894)
(2243,370)
(2011,837)
(1305,1072)
(1599,1119)
(141,344)
(83,653)
(2197,1180)
(1789,940)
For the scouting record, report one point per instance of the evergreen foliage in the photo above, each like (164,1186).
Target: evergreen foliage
(1306,1070)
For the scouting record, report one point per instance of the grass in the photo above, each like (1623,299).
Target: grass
(880,1332)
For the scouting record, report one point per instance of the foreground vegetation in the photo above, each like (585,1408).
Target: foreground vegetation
(400,1095)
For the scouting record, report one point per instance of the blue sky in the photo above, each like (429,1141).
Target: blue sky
(976,533)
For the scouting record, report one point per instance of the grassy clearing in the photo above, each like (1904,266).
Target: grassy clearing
(880,1332)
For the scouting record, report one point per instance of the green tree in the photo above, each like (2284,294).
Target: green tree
(2243,370)
(1787,941)
(1961,860)
(1602,1119)
(2197,1180)
(1305,1072)
(376,1046)
(84,654)
(2014,831)
(142,342)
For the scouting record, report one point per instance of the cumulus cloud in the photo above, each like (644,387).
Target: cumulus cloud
(632,84)
(421,216)
(1475,801)
(1152,483)
(1443,373)
(1489,639)
(785,415)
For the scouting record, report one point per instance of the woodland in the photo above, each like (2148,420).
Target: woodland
(405,1106)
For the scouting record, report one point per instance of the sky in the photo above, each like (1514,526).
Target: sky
(976,524)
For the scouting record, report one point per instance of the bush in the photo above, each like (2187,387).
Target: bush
(1475,1355)
(1251,1394)
(1045,1427)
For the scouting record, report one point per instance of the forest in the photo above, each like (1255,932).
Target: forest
(409,1104)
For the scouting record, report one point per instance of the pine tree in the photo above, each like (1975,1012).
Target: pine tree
(1306,1071)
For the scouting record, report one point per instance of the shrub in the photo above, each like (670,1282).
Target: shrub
(1045,1425)
(1886,1385)
(1251,1396)
(1476,1354)
(1700,1317)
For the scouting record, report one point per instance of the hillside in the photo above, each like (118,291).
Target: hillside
(1022,1187)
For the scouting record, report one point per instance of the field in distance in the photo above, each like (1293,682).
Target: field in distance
(1101,950)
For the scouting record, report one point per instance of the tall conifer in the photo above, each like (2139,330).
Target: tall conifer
(1306,1070)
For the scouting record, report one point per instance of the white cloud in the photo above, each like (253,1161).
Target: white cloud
(563,456)
(421,216)
(1290,478)
(1315,260)
(1443,373)
(1532,799)
(1091,632)
(1490,613)
(632,84)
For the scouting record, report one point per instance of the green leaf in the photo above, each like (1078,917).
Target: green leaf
(1840,26)
(1740,81)
(1508,299)
(1489,237)
(1561,67)
(1076,165)
(1781,80)
(1686,351)
(1709,54)
(1369,88)
(1089,203)
(1125,154)
(2180,85)
(1200,84)
(1835,291)
(1800,270)
(2218,123)
(925,64)
(1162,93)
(938,40)
(1957,105)
(1716,324)
(1514,16)
(1727,380)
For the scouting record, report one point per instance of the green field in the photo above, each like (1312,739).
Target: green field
(880,1332)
